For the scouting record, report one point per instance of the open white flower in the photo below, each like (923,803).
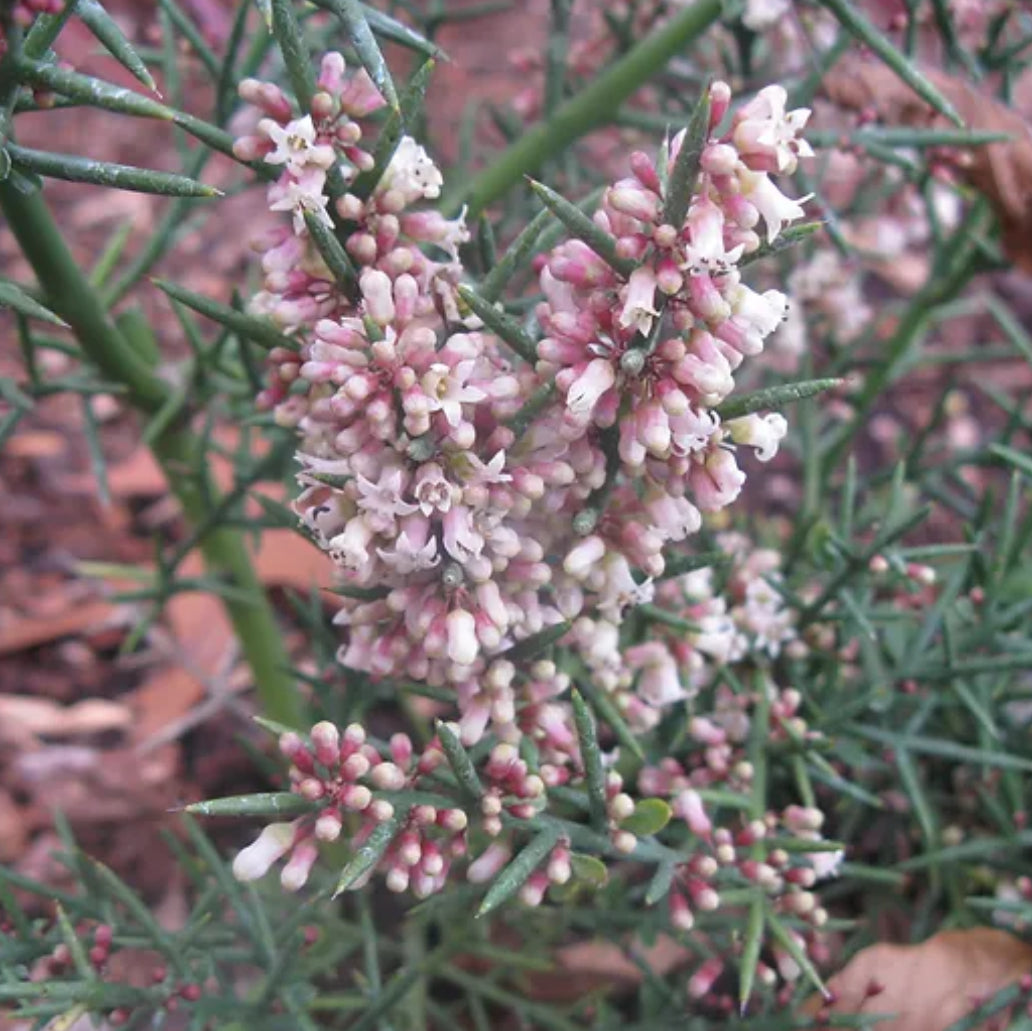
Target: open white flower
(296,145)
(412,173)
(302,195)
(763,126)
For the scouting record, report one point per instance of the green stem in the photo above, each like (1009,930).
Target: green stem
(70,294)
(595,105)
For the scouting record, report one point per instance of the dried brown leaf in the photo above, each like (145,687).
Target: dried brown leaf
(24,717)
(1002,172)
(33,631)
(930,986)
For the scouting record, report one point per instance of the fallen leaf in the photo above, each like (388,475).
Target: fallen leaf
(35,444)
(32,631)
(1002,172)
(930,986)
(97,787)
(23,717)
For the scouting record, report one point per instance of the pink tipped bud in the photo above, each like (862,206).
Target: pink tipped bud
(584,555)
(354,737)
(559,869)
(454,820)
(701,982)
(645,171)
(328,826)
(356,797)
(311,788)
(380,810)
(630,197)
(489,863)
(532,892)
(424,815)
(703,896)
(293,748)
(688,805)
(401,749)
(326,743)
(410,849)
(801,818)
(354,766)
(397,879)
(621,807)
(387,777)
(681,915)
(706,731)
(624,842)
(720,101)
(294,875)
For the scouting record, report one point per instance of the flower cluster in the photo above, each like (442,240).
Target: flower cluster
(481,506)
(699,630)
(459,535)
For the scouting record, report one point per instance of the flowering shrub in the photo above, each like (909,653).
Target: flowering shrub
(604,674)
(474,510)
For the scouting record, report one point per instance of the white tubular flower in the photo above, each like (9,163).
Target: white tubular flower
(775,208)
(758,315)
(639,306)
(706,252)
(255,861)
(378,294)
(351,546)
(762,432)
(585,391)
(296,145)
(447,391)
(584,556)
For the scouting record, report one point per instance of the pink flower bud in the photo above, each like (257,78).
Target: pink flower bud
(380,810)
(701,982)
(397,879)
(489,863)
(401,749)
(645,171)
(294,875)
(689,807)
(328,826)
(584,555)
(681,916)
(387,777)
(629,197)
